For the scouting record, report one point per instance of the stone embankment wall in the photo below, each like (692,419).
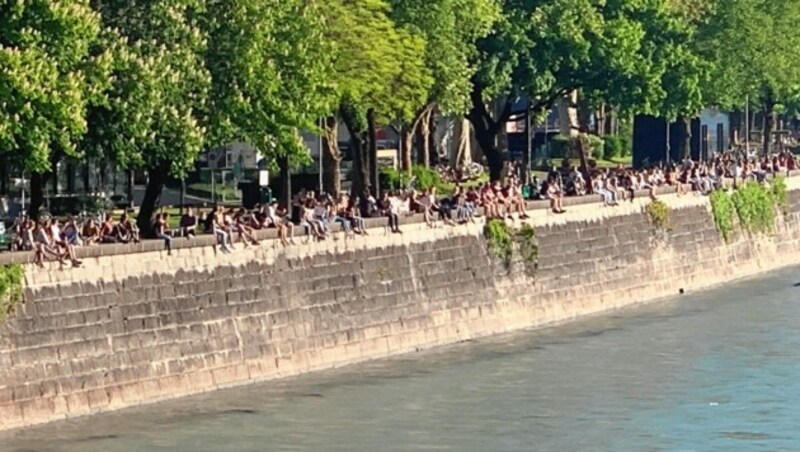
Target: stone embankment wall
(136,328)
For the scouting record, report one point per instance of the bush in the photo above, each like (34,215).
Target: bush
(780,194)
(395,179)
(722,208)
(612,147)
(595,146)
(755,206)
(425,177)
(498,240)
(658,211)
(10,288)
(560,147)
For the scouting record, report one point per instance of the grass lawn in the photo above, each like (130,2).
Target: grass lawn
(203,190)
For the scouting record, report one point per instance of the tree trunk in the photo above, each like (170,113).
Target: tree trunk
(587,175)
(4,174)
(86,176)
(152,195)
(331,157)
(602,120)
(424,145)
(71,178)
(406,148)
(568,115)
(686,145)
(37,182)
(129,186)
(358,145)
(769,121)
(284,168)
(372,151)
(433,150)
(485,132)
(52,175)
(585,114)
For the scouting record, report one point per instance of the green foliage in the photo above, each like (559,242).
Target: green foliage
(658,211)
(499,240)
(10,288)
(595,146)
(766,68)
(626,136)
(755,207)
(753,204)
(503,242)
(780,194)
(449,29)
(396,178)
(425,178)
(528,247)
(153,113)
(612,147)
(269,64)
(50,73)
(723,209)
(560,147)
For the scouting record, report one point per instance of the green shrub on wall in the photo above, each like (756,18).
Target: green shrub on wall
(755,207)
(658,211)
(528,247)
(780,194)
(723,210)
(503,242)
(498,240)
(10,288)
(753,204)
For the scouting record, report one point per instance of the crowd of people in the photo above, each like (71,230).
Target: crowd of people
(621,183)
(319,215)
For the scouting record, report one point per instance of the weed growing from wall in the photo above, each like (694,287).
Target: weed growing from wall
(755,207)
(658,211)
(498,239)
(10,288)
(528,246)
(751,205)
(504,242)
(781,194)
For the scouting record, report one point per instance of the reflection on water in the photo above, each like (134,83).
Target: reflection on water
(718,370)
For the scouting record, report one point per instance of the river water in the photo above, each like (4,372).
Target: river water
(711,371)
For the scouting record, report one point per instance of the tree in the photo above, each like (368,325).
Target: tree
(620,51)
(752,45)
(450,29)
(50,74)
(154,108)
(376,65)
(269,64)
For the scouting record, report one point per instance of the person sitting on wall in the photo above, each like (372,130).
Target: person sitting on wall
(389,209)
(63,247)
(71,233)
(246,232)
(161,228)
(91,233)
(354,215)
(555,195)
(274,217)
(188,224)
(107,230)
(130,227)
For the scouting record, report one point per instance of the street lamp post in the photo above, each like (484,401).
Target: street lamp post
(321,131)
(747,125)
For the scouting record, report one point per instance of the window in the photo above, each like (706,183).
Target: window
(720,137)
